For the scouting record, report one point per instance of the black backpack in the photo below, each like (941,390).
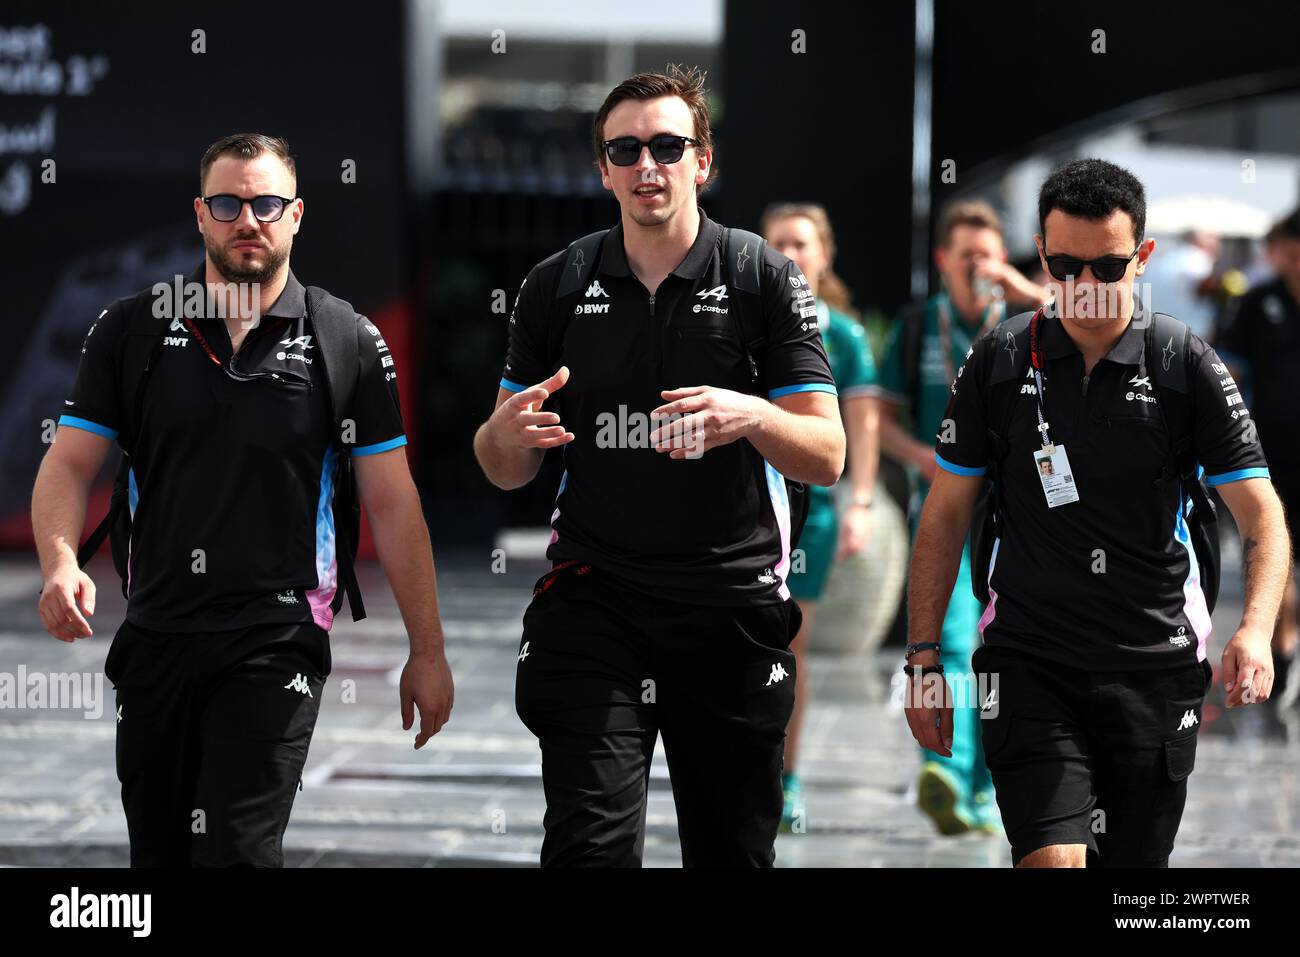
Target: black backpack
(744,276)
(1173,387)
(333,322)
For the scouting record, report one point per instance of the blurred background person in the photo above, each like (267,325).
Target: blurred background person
(1260,341)
(926,346)
(1183,279)
(802,231)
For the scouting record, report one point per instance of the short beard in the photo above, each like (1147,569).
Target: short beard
(233,271)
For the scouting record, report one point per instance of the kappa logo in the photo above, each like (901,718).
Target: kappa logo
(286,597)
(299,683)
(1180,640)
(1189,720)
(303,342)
(176,326)
(717,292)
(778,674)
(767,578)
(595,289)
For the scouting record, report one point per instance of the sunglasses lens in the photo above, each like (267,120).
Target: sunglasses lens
(268,208)
(623,151)
(667,149)
(1063,268)
(1109,270)
(224,209)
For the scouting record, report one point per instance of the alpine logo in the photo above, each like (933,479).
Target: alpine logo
(1189,720)
(303,342)
(299,683)
(1180,640)
(990,701)
(595,289)
(523,652)
(717,292)
(1140,382)
(778,673)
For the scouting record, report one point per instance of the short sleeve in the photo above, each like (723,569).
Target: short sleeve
(859,369)
(95,402)
(376,407)
(890,384)
(961,445)
(1227,445)
(795,358)
(526,352)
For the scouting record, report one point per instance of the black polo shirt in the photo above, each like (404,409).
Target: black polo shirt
(1263,331)
(713,529)
(1108,582)
(232,481)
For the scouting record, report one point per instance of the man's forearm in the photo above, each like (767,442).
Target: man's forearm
(936,556)
(864,445)
(58,514)
(901,447)
(506,467)
(803,448)
(1266,568)
(402,541)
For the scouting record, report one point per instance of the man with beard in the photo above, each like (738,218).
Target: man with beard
(234,566)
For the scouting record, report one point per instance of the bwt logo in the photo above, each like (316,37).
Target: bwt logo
(590,308)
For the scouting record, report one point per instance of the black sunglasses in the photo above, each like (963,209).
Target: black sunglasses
(664,147)
(226,207)
(1106,269)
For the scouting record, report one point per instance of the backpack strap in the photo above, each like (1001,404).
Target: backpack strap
(1168,352)
(579,263)
(743,253)
(334,323)
(1009,364)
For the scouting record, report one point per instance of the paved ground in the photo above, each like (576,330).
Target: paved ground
(473,796)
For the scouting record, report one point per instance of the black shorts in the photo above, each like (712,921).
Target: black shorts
(1095,758)
(604,668)
(212,734)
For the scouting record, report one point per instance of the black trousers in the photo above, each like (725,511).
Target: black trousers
(212,734)
(604,668)
(1099,758)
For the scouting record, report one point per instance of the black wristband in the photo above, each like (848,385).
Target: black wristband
(920,646)
(912,672)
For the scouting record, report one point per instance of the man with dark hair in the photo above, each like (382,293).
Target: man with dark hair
(925,346)
(688,382)
(1260,340)
(241,435)
(1094,656)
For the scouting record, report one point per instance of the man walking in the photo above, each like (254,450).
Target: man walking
(236,563)
(688,382)
(1094,663)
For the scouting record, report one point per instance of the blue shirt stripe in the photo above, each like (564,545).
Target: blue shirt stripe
(88,426)
(809,387)
(1215,480)
(380,446)
(957,469)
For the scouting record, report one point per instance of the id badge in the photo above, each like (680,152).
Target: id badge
(1053,468)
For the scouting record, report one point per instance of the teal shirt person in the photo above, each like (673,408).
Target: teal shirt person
(849,352)
(935,370)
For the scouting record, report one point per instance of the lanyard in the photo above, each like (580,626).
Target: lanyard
(991,318)
(1039,363)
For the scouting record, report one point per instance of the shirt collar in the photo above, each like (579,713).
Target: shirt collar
(613,257)
(1127,351)
(292,301)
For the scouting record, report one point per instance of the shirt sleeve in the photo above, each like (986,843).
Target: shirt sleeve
(376,407)
(795,358)
(526,353)
(859,374)
(961,445)
(889,379)
(1224,434)
(95,403)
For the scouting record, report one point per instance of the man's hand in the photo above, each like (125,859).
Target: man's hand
(1016,287)
(520,422)
(1248,668)
(855,531)
(58,605)
(928,706)
(703,418)
(426,684)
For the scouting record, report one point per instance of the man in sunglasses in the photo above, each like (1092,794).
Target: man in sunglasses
(234,566)
(666,610)
(1094,663)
